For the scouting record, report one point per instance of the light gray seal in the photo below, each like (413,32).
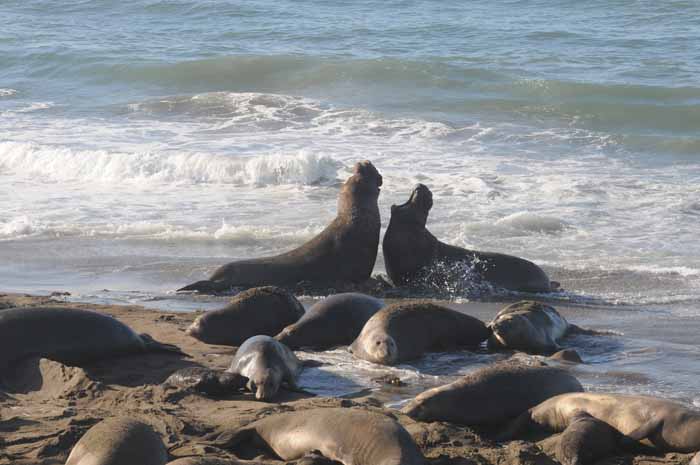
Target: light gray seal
(69,336)
(413,255)
(406,330)
(261,310)
(342,253)
(335,321)
(531,327)
(491,395)
(349,436)
(666,425)
(586,440)
(267,364)
(119,441)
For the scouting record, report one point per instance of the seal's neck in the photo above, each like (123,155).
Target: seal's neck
(354,203)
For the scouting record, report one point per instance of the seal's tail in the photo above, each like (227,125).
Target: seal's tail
(154,346)
(206,287)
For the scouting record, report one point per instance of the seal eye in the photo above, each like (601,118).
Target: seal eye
(378,343)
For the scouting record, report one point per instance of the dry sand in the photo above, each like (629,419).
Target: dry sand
(56,404)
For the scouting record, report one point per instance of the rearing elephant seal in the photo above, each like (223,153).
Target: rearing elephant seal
(529,326)
(406,330)
(344,252)
(119,441)
(411,252)
(349,436)
(335,321)
(667,425)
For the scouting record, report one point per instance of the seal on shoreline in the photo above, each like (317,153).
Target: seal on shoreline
(335,321)
(491,395)
(411,253)
(406,330)
(69,336)
(261,310)
(344,252)
(349,436)
(118,441)
(267,364)
(528,326)
(666,425)
(586,440)
(206,381)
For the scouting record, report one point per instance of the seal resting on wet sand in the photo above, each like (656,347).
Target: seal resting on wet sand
(344,252)
(586,440)
(335,321)
(411,253)
(349,436)
(406,330)
(529,326)
(261,310)
(491,395)
(207,381)
(119,441)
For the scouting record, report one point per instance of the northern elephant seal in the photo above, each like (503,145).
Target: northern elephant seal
(119,441)
(411,253)
(406,330)
(67,335)
(344,252)
(666,425)
(335,321)
(261,310)
(267,364)
(349,436)
(206,380)
(586,440)
(531,327)
(491,395)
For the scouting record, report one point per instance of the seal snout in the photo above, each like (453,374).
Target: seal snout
(421,197)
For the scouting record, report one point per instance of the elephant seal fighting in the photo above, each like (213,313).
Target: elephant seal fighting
(349,436)
(411,252)
(528,326)
(344,252)
(406,330)
(261,310)
(335,321)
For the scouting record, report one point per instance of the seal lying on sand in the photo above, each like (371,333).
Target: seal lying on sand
(68,335)
(667,425)
(411,252)
(406,330)
(262,310)
(529,326)
(334,321)
(586,440)
(350,436)
(206,380)
(119,441)
(267,364)
(344,252)
(491,395)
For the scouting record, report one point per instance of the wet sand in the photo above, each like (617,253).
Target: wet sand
(55,404)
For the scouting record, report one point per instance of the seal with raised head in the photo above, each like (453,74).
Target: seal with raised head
(344,252)
(335,321)
(267,364)
(491,395)
(586,440)
(119,441)
(406,330)
(667,425)
(412,254)
(261,310)
(531,327)
(349,436)
(67,335)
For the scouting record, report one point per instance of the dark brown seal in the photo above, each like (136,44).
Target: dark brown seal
(586,440)
(406,330)
(261,310)
(344,252)
(413,256)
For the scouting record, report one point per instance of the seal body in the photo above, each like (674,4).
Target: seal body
(406,330)
(344,252)
(585,440)
(413,255)
(67,335)
(491,395)
(528,326)
(206,381)
(262,310)
(667,425)
(336,320)
(266,363)
(119,441)
(349,436)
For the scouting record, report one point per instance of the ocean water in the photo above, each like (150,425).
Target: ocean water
(144,143)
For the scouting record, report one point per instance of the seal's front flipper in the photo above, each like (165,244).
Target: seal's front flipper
(230,439)
(632,440)
(154,346)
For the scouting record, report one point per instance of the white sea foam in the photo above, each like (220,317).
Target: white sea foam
(531,222)
(7,92)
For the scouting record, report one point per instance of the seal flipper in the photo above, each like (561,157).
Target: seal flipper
(152,345)
(206,287)
(644,431)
